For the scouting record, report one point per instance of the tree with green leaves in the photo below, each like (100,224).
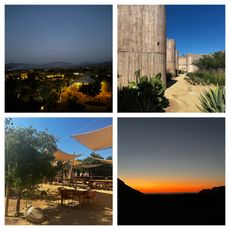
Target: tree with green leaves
(101,170)
(215,61)
(28,159)
(92,89)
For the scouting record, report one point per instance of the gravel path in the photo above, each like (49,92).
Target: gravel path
(183,96)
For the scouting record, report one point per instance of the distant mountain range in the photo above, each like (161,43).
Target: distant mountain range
(52,65)
(127,189)
(215,190)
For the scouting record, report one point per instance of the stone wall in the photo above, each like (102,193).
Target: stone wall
(186,62)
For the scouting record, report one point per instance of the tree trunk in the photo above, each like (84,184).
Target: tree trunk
(18,204)
(7,198)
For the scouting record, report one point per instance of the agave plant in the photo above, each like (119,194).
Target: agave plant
(213,101)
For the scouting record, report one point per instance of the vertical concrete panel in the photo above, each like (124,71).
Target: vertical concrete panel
(141,41)
(183,63)
(171,56)
(177,61)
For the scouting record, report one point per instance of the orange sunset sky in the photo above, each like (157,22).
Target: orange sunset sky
(148,185)
(171,155)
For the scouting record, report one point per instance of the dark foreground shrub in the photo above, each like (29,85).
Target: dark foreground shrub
(145,95)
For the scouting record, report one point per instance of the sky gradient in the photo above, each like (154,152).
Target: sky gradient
(198,29)
(64,128)
(49,33)
(170,155)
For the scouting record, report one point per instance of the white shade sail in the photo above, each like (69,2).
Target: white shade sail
(102,160)
(97,139)
(62,156)
(90,166)
(75,163)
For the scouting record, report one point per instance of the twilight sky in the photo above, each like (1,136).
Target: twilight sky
(160,155)
(198,29)
(66,33)
(64,128)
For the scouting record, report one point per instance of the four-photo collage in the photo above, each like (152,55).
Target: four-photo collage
(108,114)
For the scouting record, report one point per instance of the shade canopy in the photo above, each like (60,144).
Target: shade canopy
(75,163)
(62,156)
(90,166)
(102,160)
(97,139)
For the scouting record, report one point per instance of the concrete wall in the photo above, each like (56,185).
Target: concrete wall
(177,61)
(186,62)
(191,58)
(171,56)
(183,63)
(141,41)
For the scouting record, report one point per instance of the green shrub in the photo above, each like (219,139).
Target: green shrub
(207,77)
(213,101)
(215,61)
(91,89)
(144,95)
(169,76)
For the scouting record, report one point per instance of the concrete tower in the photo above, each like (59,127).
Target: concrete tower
(177,61)
(171,56)
(141,41)
(183,64)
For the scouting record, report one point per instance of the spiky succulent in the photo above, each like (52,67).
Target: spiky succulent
(213,101)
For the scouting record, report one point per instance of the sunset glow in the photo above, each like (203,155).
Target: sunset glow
(171,155)
(169,186)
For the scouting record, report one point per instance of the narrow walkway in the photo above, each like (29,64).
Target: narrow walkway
(183,96)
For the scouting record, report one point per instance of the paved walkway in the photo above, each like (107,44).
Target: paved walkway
(183,96)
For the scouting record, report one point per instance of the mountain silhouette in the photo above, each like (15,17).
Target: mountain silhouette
(128,190)
(52,65)
(130,201)
(204,208)
(213,191)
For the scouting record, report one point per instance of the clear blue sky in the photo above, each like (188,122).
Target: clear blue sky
(49,33)
(63,128)
(198,29)
(171,153)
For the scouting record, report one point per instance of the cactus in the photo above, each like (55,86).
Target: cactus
(145,95)
(137,74)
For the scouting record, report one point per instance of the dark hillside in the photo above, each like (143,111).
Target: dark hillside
(203,208)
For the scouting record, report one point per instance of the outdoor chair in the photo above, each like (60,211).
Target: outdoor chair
(90,196)
(65,195)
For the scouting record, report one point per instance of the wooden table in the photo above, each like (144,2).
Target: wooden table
(71,194)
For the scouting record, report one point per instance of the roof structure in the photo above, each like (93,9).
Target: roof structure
(97,139)
(85,79)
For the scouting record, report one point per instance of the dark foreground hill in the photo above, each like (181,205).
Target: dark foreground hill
(204,208)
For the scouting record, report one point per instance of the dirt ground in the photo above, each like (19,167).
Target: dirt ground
(183,96)
(97,212)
